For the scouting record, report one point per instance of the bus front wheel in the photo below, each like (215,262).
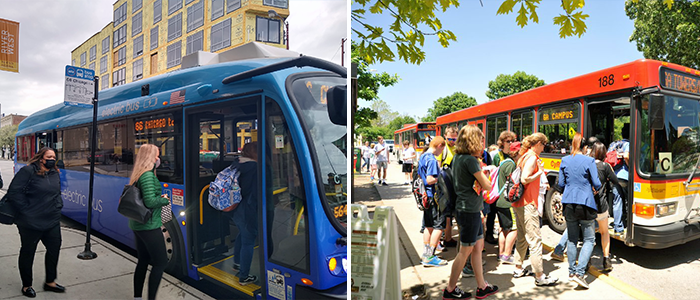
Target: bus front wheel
(175,248)
(554,211)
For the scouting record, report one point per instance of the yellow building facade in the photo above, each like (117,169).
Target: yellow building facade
(150,37)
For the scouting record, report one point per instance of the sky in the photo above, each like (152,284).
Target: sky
(51,29)
(488,45)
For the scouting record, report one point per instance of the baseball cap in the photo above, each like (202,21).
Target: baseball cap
(515,146)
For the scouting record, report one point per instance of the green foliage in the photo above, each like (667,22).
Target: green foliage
(368,85)
(405,32)
(7,135)
(364,116)
(571,23)
(618,123)
(369,134)
(384,114)
(506,85)
(665,32)
(398,122)
(445,105)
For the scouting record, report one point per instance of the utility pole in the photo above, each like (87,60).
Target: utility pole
(287,33)
(342,51)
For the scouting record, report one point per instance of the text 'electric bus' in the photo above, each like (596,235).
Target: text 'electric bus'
(661,103)
(418,135)
(200,117)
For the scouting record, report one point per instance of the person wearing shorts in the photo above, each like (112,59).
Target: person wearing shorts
(381,150)
(433,220)
(504,211)
(407,156)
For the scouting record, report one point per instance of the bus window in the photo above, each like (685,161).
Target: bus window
(675,148)
(162,130)
(521,123)
(494,127)
(110,155)
(287,228)
(76,149)
(559,124)
(24,148)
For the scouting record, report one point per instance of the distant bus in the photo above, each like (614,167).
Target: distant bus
(659,100)
(200,117)
(416,134)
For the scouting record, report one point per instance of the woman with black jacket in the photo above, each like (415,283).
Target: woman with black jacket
(35,192)
(608,179)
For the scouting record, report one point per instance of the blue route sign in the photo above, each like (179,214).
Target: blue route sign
(80,86)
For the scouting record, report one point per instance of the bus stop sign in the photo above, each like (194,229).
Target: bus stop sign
(80,86)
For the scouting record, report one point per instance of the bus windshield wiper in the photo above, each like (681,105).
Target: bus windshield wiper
(690,178)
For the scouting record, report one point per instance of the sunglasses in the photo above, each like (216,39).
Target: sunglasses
(509,141)
(451,139)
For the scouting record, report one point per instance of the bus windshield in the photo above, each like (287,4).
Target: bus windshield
(329,140)
(675,148)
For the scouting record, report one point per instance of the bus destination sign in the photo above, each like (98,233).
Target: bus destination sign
(679,81)
(569,112)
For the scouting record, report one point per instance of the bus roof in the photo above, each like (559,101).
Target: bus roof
(185,86)
(408,127)
(639,73)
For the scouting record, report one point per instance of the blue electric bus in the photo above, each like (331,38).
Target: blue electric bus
(200,117)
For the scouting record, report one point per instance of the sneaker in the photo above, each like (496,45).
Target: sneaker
(547,281)
(456,294)
(580,281)
(450,243)
(488,291)
(434,261)
(384,182)
(559,257)
(406,183)
(467,272)
(522,273)
(248,280)
(371,178)
(607,264)
(506,259)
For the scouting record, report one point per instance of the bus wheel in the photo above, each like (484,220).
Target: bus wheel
(174,248)
(554,211)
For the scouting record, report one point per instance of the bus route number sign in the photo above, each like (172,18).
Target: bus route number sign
(679,81)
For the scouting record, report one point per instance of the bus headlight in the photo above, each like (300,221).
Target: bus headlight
(334,268)
(666,209)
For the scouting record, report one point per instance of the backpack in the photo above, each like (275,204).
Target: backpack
(224,191)
(612,156)
(496,191)
(514,188)
(419,191)
(445,190)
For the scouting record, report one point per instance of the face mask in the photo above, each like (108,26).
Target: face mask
(50,163)
(157,162)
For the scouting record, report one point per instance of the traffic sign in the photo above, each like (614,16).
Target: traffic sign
(80,86)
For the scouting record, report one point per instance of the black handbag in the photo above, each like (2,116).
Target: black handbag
(7,211)
(131,205)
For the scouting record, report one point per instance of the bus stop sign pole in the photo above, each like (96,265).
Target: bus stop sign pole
(87,253)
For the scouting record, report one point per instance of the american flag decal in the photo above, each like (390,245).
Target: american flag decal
(177,97)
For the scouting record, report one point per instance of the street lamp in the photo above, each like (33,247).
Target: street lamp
(272,14)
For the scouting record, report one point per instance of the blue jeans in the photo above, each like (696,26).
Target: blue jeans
(618,204)
(588,229)
(244,245)
(366,163)
(561,247)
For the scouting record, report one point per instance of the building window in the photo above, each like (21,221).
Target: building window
(157,11)
(136,5)
(119,77)
(103,64)
(138,69)
(154,63)
(73,64)
(276,3)
(174,54)
(195,43)
(268,30)
(93,53)
(119,36)
(105,45)
(138,46)
(105,81)
(120,57)
(173,6)
(136,24)
(154,37)
(195,16)
(220,35)
(82,59)
(232,5)
(217,9)
(120,14)
(175,27)
(92,66)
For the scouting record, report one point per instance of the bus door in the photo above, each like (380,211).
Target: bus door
(216,134)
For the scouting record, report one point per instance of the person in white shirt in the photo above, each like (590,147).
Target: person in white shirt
(366,155)
(407,156)
(381,150)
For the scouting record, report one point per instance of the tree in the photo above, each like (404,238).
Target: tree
(368,85)
(406,38)
(7,136)
(369,134)
(384,113)
(445,105)
(399,121)
(506,85)
(667,33)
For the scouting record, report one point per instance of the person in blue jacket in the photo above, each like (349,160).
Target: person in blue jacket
(578,176)
(245,215)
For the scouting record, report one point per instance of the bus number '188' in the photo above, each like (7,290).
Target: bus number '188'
(606,80)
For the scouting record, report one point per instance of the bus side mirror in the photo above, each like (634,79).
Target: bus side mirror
(337,104)
(657,109)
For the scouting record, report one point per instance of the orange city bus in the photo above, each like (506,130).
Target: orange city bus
(660,101)
(416,134)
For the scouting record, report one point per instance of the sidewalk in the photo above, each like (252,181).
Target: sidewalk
(109,276)
(415,278)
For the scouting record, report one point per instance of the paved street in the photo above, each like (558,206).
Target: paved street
(639,273)
(109,276)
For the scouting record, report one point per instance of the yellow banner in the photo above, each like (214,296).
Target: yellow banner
(9,46)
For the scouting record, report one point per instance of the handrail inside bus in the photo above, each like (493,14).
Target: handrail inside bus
(302,61)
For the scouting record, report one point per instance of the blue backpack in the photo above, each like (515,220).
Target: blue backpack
(224,191)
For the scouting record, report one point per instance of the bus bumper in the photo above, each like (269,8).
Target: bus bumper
(338,292)
(659,237)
